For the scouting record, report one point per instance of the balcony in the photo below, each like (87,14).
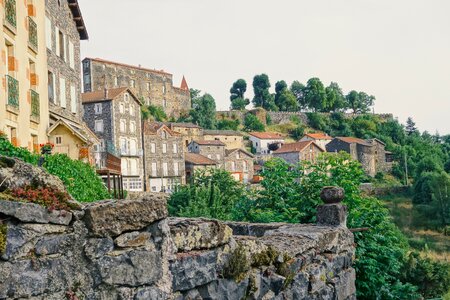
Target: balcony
(35,106)
(32,34)
(10,15)
(12,93)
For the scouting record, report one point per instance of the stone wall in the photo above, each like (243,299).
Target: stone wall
(131,250)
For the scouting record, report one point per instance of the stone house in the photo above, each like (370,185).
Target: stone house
(151,86)
(164,158)
(232,139)
(189,132)
(294,153)
(261,141)
(65,28)
(240,164)
(114,115)
(370,153)
(214,150)
(195,162)
(321,139)
(23,100)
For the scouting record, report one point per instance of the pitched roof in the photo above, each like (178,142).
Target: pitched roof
(353,140)
(110,94)
(229,151)
(209,143)
(78,19)
(296,147)
(198,159)
(152,128)
(184,85)
(77,131)
(267,135)
(221,132)
(319,136)
(186,125)
(101,60)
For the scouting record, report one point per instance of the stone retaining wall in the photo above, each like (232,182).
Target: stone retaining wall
(131,250)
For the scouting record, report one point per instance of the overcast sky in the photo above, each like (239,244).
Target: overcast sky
(398,51)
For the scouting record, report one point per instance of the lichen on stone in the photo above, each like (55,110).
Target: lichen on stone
(265,258)
(3,231)
(237,265)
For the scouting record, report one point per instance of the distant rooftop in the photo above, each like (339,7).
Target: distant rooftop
(198,159)
(101,60)
(210,143)
(221,132)
(295,147)
(267,135)
(105,95)
(319,136)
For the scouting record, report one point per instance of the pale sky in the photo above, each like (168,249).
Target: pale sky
(396,50)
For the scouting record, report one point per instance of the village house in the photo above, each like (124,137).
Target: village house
(189,132)
(370,153)
(232,139)
(261,141)
(164,158)
(64,28)
(320,138)
(24,108)
(214,150)
(151,86)
(196,162)
(239,163)
(294,153)
(114,115)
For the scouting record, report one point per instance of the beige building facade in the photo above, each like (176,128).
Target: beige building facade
(23,106)
(232,139)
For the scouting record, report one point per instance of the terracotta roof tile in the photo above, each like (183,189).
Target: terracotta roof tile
(353,140)
(295,147)
(319,136)
(99,95)
(184,85)
(151,128)
(267,135)
(229,151)
(198,159)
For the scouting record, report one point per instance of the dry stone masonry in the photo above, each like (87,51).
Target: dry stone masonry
(131,250)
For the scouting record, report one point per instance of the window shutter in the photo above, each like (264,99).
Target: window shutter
(71,55)
(73,99)
(48,33)
(62,92)
(58,52)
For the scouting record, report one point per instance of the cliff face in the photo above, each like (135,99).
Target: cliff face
(132,250)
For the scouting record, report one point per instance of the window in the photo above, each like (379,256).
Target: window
(123,128)
(175,148)
(164,103)
(98,108)
(165,169)
(121,108)
(62,92)
(164,148)
(132,127)
(58,140)
(131,110)
(148,86)
(71,55)
(48,33)
(175,169)
(133,83)
(209,156)
(133,167)
(51,87)
(233,166)
(164,89)
(218,156)
(154,173)
(245,166)
(73,99)
(237,155)
(123,145)
(134,184)
(57,46)
(116,81)
(98,125)
(126,97)
(152,148)
(164,134)
(133,147)
(61,44)
(102,145)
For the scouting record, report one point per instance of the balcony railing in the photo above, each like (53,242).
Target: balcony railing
(13,91)
(10,13)
(35,104)
(32,33)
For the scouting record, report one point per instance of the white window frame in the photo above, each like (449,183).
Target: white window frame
(152,148)
(164,148)
(165,169)
(175,148)
(62,92)
(48,33)
(98,125)
(154,169)
(98,108)
(73,99)
(176,170)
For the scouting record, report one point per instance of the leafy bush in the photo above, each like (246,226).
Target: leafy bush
(80,179)
(252,123)
(155,112)
(226,124)
(47,197)
(7,149)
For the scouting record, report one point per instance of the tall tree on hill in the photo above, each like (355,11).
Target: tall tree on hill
(285,100)
(263,98)
(237,97)
(203,111)
(410,127)
(335,97)
(315,96)
(298,89)
(359,102)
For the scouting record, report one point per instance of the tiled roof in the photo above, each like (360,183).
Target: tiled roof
(210,143)
(319,136)
(185,125)
(229,151)
(295,147)
(222,132)
(99,95)
(78,19)
(353,140)
(128,66)
(267,135)
(184,85)
(198,159)
(151,128)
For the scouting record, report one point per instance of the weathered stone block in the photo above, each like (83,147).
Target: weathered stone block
(150,293)
(196,234)
(96,248)
(34,213)
(111,218)
(332,215)
(133,239)
(54,244)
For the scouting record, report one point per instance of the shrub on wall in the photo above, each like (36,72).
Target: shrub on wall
(7,149)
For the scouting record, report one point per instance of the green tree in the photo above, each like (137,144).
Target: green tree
(335,97)
(153,112)
(315,95)
(298,89)
(284,98)
(237,97)
(252,123)
(203,111)
(262,97)
(410,127)
(359,102)
(227,124)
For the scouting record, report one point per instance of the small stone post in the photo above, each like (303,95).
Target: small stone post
(332,213)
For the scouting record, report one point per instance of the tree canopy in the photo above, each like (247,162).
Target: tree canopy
(237,97)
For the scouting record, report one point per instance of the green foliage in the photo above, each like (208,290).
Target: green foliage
(238,264)
(411,127)
(80,179)
(252,123)
(3,232)
(335,98)
(285,100)
(203,111)
(315,95)
(298,89)
(227,124)
(262,97)
(318,121)
(359,102)
(237,97)
(153,112)
(298,132)
(7,149)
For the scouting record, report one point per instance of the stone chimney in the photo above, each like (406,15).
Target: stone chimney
(332,213)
